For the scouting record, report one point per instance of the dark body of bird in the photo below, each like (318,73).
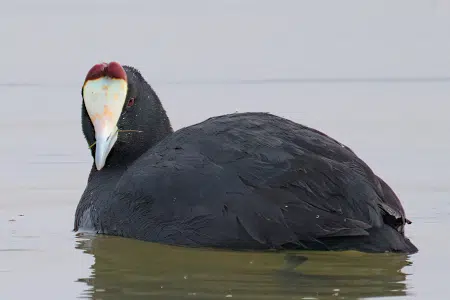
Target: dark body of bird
(248,181)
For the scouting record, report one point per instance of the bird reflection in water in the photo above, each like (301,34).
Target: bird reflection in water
(130,269)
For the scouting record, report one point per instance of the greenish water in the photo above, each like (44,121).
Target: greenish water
(128,269)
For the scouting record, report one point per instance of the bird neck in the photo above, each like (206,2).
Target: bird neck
(126,151)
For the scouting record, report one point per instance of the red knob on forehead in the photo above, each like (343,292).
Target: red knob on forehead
(96,71)
(115,70)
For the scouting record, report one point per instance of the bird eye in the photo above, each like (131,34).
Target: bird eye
(130,102)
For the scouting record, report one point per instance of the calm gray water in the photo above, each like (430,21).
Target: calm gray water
(373,74)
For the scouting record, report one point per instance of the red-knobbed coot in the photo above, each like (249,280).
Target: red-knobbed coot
(244,181)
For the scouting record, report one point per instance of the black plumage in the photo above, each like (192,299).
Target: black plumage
(240,181)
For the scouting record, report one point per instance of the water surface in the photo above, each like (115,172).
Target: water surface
(144,269)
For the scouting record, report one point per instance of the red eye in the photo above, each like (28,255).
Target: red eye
(130,102)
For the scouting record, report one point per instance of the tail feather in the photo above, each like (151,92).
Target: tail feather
(383,239)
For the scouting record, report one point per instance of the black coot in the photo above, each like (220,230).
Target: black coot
(250,181)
